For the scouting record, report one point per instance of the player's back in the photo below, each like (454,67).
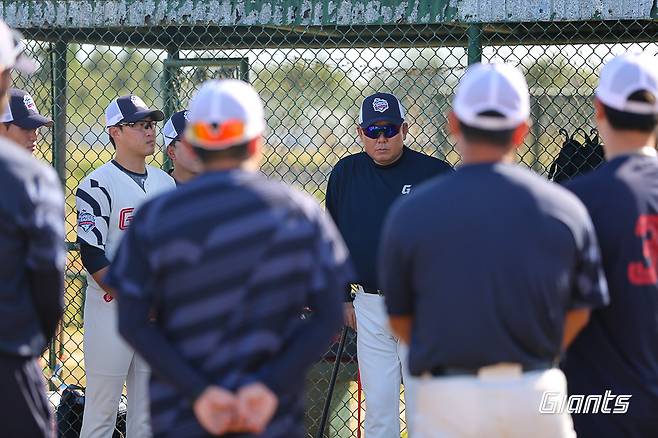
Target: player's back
(31,203)
(233,255)
(618,349)
(494,248)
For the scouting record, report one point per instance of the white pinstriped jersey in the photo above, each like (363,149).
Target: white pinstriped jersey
(106,201)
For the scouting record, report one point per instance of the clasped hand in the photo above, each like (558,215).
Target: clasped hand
(249,410)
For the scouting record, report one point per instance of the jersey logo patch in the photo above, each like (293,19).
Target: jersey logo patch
(379,105)
(86,221)
(107,298)
(406,189)
(125,217)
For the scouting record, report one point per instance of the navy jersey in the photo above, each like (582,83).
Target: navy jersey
(31,243)
(359,194)
(618,350)
(229,261)
(488,261)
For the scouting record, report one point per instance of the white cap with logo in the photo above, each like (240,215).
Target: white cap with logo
(625,75)
(492,87)
(224,113)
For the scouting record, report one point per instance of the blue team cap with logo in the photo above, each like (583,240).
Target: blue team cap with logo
(129,109)
(175,127)
(381,107)
(22,111)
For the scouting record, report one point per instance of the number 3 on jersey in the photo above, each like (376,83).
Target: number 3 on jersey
(644,273)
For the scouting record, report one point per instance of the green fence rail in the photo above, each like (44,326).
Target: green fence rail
(312,80)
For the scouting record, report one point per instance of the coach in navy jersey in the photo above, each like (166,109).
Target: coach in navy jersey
(618,350)
(360,191)
(489,273)
(227,263)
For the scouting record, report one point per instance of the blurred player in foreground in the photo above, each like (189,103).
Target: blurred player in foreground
(32,269)
(227,263)
(489,292)
(618,350)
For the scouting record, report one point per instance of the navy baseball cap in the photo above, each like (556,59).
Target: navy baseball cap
(129,109)
(381,107)
(175,127)
(22,111)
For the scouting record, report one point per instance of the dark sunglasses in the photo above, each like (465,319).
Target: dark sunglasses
(143,125)
(374,131)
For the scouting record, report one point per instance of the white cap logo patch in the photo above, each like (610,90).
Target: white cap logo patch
(186,114)
(379,105)
(29,103)
(138,102)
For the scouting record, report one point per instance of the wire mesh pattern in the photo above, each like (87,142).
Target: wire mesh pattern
(312,83)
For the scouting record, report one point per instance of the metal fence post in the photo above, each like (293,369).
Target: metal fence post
(536,114)
(58,66)
(58,76)
(170,96)
(474,43)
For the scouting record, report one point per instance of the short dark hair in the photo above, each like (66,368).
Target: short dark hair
(237,152)
(110,135)
(498,137)
(625,121)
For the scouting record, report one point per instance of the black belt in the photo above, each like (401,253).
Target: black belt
(371,290)
(441,371)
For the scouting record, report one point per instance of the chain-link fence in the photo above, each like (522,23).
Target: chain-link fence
(312,80)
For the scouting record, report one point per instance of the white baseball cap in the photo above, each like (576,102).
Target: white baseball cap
(492,87)
(224,113)
(11,51)
(625,75)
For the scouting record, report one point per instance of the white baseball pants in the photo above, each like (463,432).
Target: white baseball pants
(382,364)
(109,362)
(503,405)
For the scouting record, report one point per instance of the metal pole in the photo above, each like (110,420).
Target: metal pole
(170,93)
(332,383)
(244,69)
(536,111)
(58,64)
(474,43)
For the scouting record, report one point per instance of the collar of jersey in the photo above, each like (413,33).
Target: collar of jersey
(129,172)
(474,167)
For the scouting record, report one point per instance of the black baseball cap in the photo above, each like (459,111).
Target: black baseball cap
(381,107)
(129,109)
(22,111)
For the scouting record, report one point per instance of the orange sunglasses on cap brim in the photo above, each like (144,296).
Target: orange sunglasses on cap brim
(215,134)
